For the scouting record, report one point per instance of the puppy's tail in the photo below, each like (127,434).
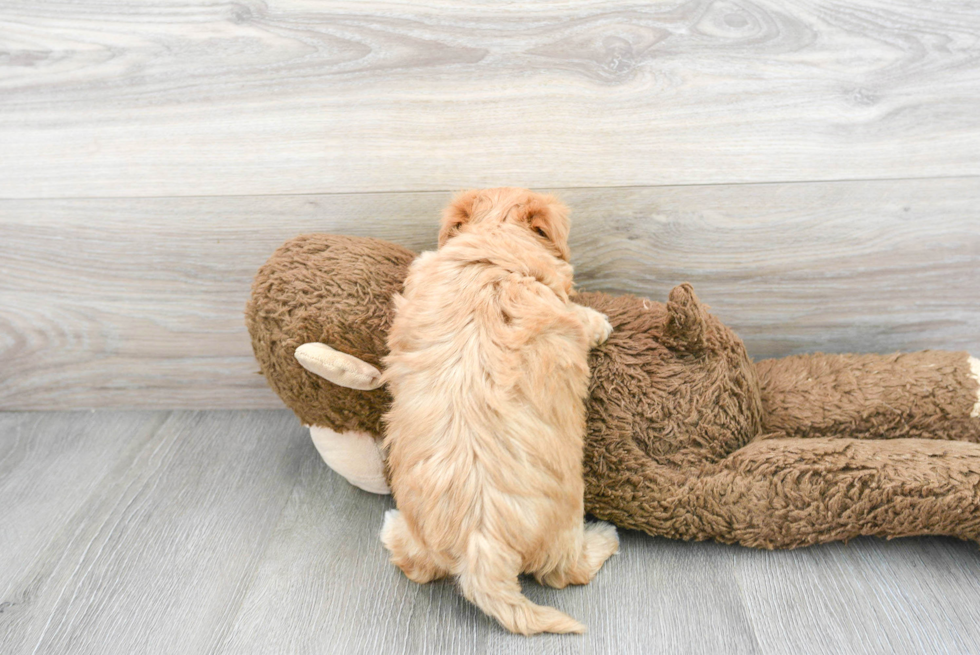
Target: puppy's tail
(489,581)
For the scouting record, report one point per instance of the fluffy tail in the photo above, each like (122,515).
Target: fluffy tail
(489,581)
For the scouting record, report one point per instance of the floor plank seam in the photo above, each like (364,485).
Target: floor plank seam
(299,194)
(756,642)
(82,525)
(222,638)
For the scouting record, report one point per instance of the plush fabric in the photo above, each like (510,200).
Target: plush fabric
(687,437)
(335,290)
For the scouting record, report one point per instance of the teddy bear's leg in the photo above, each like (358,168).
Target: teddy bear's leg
(783,493)
(931,394)
(786,493)
(355,455)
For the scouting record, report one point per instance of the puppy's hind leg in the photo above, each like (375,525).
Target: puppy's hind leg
(406,553)
(599,542)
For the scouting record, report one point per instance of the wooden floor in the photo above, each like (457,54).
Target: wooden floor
(223,532)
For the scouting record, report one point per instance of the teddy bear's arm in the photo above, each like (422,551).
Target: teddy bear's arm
(354,454)
(337,367)
(931,394)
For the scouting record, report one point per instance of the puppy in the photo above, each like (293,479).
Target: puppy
(488,370)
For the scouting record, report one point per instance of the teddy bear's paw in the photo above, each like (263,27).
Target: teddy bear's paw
(353,454)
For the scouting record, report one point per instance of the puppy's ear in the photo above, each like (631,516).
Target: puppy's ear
(457,214)
(548,218)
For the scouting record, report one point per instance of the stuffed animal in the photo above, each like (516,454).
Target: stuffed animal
(687,437)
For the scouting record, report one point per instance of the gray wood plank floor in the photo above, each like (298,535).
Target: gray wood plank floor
(222,532)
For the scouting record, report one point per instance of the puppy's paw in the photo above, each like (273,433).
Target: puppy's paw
(601,538)
(597,326)
(603,332)
(599,543)
(406,553)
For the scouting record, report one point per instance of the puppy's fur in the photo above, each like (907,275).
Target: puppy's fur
(488,369)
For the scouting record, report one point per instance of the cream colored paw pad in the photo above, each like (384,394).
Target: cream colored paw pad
(355,455)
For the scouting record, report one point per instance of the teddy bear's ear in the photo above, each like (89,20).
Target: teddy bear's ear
(457,214)
(340,368)
(686,324)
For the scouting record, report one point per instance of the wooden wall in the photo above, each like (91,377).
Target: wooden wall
(813,168)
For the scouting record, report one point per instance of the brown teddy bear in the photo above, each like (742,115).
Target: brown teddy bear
(687,437)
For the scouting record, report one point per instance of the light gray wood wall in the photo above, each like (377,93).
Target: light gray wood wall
(813,168)
(195,97)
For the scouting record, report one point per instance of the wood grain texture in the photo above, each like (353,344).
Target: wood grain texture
(139,302)
(155,555)
(864,597)
(346,598)
(222,532)
(193,97)
(50,466)
(326,559)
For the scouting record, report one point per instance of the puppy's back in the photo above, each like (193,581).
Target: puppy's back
(484,435)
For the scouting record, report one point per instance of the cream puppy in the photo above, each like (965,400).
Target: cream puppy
(488,370)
